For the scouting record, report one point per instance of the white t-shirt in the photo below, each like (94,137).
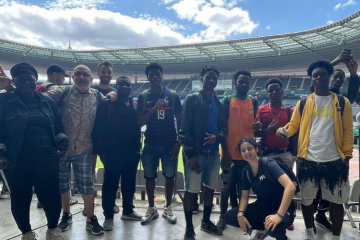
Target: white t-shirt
(322,146)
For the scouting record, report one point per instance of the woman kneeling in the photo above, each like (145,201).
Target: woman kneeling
(273,210)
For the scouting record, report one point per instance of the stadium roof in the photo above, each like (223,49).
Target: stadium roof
(284,50)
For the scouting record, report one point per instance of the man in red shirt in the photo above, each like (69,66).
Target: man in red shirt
(272,116)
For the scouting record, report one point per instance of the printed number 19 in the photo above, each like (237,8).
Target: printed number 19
(161,114)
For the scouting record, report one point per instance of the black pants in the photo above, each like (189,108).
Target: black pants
(256,213)
(231,186)
(123,163)
(43,174)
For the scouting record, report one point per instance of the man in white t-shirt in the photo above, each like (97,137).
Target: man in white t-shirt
(324,122)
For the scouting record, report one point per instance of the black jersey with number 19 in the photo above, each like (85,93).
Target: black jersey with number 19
(160,129)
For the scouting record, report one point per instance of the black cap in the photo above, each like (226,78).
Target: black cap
(23,68)
(56,68)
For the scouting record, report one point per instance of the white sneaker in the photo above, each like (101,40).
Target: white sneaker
(29,236)
(151,214)
(169,215)
(54,234)
(309,234)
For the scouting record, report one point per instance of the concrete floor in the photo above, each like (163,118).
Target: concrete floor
(159,229)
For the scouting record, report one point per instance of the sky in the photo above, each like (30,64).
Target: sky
(110,24)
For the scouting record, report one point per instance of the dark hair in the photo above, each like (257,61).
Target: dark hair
(241,72)
(272,81)
(105,63)
(121,78)
(151,66)
(250,140)
(320,64)
(339,70)
(207,69)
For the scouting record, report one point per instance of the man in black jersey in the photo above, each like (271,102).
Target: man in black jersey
(157,108)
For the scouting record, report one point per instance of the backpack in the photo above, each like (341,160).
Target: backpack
(263,161)
(341,103)
(66,94)
(295,138)
(172,94)
(254,102)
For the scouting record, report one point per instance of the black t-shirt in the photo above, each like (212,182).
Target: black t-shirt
(103,91)
(160,129)
(122,128)
(267,193)
(37,137)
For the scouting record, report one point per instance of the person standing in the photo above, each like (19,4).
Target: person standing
(78,105)
(157,108)
(31,140)
(117,139)
(203,128)
(324,122)
(105,72)
(55,76)
(241,111)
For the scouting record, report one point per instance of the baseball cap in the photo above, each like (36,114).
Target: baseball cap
(56,68)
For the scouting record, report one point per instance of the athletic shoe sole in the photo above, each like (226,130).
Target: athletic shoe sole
(65,229)
(168,220)
(93,233)
(213,233)
(130,218)
(108,229)
(150,220)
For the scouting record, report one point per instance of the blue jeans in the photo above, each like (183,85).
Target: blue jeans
(210,165)
(150,160)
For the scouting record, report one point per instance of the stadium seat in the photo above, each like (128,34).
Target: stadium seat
(354,200)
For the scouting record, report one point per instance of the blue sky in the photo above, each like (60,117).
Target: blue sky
(97,24)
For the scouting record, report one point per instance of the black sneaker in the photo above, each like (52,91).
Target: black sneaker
(210,227)
(221,223)
(65,222)
(323,222)
(93,225)
(189,234)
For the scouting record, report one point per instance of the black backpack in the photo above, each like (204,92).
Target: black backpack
(264,162)
(341,103)
(295,138)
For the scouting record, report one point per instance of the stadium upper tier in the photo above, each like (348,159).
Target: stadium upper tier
(290,52)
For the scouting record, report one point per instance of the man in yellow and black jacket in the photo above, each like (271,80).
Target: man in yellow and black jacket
(324,148)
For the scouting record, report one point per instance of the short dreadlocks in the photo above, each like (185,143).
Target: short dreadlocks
(207,69)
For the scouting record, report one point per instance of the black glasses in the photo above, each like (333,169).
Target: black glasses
(25,80)
(84,74)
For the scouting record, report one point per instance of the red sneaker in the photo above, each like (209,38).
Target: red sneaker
(291,227)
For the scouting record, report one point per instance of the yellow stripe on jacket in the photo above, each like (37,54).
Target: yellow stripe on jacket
(343,128)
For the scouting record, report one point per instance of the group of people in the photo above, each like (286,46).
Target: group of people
(44,130)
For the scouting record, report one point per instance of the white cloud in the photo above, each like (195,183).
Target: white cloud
(337,6)
(348,3)
(330,22)
(220,21)
(187,9)
(344,5)
(63,4)
(87,28)
(168,1)
(268,27)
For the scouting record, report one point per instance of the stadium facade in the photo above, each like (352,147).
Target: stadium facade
(278,54)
